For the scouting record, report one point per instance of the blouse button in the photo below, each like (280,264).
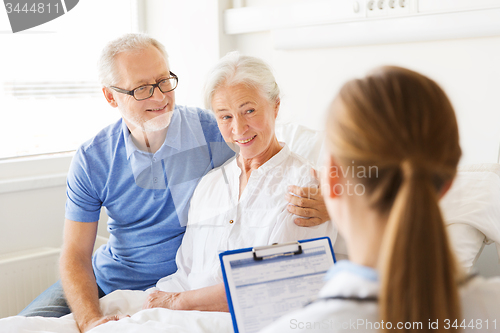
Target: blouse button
(231,221)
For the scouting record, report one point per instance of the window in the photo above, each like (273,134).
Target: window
(50,97)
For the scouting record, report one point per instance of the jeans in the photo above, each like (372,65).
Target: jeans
(51,303)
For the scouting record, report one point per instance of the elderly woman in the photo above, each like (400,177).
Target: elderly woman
(402,273)
(242,203)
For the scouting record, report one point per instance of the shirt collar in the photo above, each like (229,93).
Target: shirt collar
(275,160)
(346,265)
(129,144)
(269,164)
(172,139)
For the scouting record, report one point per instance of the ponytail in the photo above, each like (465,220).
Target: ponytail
(404,124)
(418,269)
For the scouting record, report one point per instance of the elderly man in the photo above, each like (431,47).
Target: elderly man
(143,170)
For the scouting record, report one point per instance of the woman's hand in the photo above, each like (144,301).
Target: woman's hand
(211,298)
(163,299)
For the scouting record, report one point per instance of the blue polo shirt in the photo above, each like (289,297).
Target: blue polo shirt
(146,196)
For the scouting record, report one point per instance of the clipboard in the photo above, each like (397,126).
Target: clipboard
(264,283)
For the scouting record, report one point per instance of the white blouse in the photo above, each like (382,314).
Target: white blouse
(218,221)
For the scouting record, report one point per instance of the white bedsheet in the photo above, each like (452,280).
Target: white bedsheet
(127,302)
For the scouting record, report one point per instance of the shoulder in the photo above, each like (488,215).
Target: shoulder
(480,298)
(299,161)
(337,308)
(104,139)
(99,149)
(480,285)
(194,117)
(205,117)
(298,170)
(304,141)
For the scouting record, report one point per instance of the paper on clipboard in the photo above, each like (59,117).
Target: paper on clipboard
(262,284)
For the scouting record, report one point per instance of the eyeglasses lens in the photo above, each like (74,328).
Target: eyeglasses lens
(143,92)
(147,91)
(167,85)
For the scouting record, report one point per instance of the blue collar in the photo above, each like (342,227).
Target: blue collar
(345,265)
(172,139)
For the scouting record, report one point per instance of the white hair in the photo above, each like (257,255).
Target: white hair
(108,74)
(235,68)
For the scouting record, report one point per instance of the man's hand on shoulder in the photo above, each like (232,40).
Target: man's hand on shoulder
(308,203)
(99,321)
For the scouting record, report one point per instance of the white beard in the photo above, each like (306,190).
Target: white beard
(157,123)
(152,125)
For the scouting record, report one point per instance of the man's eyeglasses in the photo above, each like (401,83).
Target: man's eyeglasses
(147,90)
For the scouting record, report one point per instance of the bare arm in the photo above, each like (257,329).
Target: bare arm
(211,298)
(77,275)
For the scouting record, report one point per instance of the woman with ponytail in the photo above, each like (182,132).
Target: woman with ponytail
(393,151)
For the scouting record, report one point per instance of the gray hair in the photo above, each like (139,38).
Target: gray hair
(108,74)
(235,68)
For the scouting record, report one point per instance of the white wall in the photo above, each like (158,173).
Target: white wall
(32,196)
(32,200)
(26,215)
(192,33)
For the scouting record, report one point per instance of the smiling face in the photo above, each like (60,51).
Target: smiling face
(138,68)
(246,119)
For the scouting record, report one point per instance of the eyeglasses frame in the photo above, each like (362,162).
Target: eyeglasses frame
(155,85)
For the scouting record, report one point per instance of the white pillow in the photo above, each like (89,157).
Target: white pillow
(303,141)
(471,209)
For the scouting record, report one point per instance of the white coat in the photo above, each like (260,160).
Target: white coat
(348,303)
